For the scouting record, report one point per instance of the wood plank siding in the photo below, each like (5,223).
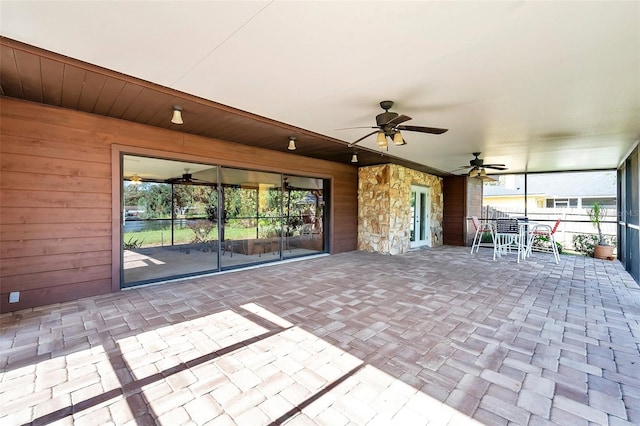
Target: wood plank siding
(57,215)
(454,210)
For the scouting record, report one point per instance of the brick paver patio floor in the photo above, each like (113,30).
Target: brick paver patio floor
(436,336)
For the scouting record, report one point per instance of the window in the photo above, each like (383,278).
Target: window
(608,202)
(562,202)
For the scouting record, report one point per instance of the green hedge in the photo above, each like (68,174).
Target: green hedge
(586,243)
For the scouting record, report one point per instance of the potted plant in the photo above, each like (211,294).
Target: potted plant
(602,250)
(293,223)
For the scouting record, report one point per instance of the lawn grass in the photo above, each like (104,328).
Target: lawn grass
(162,237)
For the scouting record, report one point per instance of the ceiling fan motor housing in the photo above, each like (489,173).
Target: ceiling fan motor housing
(385,117)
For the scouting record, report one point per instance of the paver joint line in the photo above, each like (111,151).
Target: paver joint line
(138,384)
(308,401)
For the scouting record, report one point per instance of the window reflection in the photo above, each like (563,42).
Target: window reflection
(182,219)
(251,206)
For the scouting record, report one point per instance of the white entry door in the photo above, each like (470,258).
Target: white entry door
(420,216)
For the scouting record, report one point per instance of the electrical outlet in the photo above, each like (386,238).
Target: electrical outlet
(14,297)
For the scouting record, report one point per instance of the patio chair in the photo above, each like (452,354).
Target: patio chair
(481,229)
(542,232)
(306,232)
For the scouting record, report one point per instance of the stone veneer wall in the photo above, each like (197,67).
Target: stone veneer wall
(384,207)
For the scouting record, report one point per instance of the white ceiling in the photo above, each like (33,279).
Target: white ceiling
(539,86)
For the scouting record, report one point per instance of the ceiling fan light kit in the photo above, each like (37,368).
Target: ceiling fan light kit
(397,139)
(381,140)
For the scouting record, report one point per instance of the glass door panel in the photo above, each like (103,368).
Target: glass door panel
(303,216)
(420,217)
(168,231)
(251,217)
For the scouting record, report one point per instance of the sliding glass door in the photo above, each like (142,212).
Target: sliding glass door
(183,219)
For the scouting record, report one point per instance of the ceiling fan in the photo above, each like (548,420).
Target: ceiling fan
(286,186)
(477,168)
(388,125)
(187,179)
(134,179)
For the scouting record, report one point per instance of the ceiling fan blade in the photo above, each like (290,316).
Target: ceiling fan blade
(433,130)
(363,138)
(399,119)
(360,127)
(495,166)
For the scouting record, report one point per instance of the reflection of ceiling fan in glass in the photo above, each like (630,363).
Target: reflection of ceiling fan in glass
(188,179)
(477,168)
(134,180)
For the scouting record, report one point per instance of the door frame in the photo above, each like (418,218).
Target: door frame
(421,216)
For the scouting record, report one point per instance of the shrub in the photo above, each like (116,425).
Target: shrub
(131,244)
(585,244)
(212,214)
(202,229)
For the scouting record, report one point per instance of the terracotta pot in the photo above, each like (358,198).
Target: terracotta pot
(603,252)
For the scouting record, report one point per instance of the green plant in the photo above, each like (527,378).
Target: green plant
(486,237)
(268,232)
(597,214)
(294,222)
(131,244)
(586,243)
(212,214)
(542,242)
(202,230)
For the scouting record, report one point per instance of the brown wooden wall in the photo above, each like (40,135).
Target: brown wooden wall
(56,206)
(454,210)
(462,199)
